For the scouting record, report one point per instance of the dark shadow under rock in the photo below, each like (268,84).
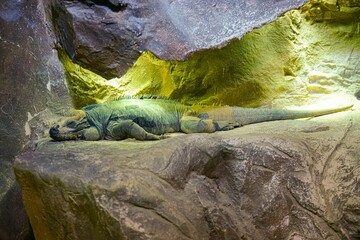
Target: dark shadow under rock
(292,181)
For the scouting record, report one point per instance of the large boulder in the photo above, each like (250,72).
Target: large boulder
(31,79)
(108,36)
(297,180)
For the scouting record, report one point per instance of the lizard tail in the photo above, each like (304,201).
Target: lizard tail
(244,116)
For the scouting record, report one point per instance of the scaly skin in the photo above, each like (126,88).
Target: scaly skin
(149,119)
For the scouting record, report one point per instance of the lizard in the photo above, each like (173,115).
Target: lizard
(151,118)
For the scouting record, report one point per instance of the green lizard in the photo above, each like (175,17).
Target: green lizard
(150,118)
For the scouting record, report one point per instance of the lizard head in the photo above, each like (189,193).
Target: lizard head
(71,128)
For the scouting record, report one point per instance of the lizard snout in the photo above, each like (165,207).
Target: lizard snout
(54,131)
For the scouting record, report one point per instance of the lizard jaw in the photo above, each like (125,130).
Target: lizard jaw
(64,134)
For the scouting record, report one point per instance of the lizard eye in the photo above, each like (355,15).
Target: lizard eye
(70,123)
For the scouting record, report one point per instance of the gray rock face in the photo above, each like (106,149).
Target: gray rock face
(108,36)
(299,180)
(31,79)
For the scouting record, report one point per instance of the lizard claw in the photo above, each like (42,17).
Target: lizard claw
(225,126)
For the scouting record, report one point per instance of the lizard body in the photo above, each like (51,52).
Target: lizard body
(150,118)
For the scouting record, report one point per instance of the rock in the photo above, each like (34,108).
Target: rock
(299,180)
(330,10)
(288,61)
(107,38)
(32,79)
(357,95)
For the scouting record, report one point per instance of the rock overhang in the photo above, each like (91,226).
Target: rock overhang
(272,65)
(108,41)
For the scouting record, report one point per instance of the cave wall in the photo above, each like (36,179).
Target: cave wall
(107,36)
(303,56)
(295,60)
(32,80)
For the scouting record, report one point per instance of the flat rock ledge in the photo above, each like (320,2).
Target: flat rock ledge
(296,179)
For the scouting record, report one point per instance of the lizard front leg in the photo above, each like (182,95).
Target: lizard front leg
(91,134)
(123,129)
(88,134)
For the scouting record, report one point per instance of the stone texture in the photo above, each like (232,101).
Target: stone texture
(300,57)
(108,36)
(299,180)
(31,79)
